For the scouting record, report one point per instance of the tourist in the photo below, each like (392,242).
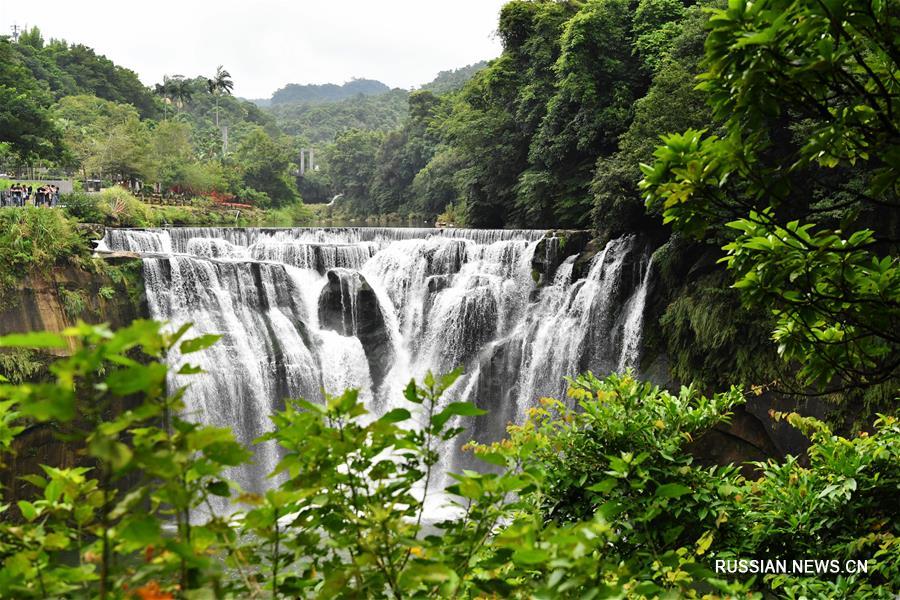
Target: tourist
(16,190)
(19,194)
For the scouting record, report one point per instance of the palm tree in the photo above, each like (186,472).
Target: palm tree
(174,90)
(164,89)
(181,90)
(220,84)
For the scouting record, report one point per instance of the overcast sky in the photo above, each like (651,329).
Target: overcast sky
(268,43)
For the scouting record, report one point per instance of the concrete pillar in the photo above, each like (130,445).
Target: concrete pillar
(302,154)
(312,162)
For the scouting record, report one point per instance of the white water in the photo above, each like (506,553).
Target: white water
(302,310)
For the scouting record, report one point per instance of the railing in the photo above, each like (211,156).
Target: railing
(165,199)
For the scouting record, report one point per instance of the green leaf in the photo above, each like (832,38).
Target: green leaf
(672,490)
(111,451)
(219,488)
(395,416)
(604,486)
(462,409)
(493,458)
(143,530)
(36,339)
(530,556)
(199,343)
(35,480)
(137,378)
(411,392)
(28,510)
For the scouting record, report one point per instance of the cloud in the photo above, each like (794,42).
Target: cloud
(270,43)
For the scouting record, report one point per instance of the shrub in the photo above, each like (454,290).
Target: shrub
(297,214)
(35,240)
(113,206)
(603,501)
(624,456)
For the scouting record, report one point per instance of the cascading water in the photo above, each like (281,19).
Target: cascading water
(305,310)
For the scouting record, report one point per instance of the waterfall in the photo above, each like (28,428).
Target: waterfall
(304,310)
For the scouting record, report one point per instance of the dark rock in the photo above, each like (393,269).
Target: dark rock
(91,231)
(553,250)
(348,305)
(583,262)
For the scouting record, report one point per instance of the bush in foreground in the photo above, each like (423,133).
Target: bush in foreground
(602,501)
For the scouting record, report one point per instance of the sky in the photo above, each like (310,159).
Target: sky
(266,44)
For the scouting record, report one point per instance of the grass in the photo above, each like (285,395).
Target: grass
(35,240)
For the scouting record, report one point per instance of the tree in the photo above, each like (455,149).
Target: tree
(174,90)
(26,127)
(104,138)
(598,80)
(220,84)
(171,150)
(404,153)
(351,163)
(805,176)
(268,167)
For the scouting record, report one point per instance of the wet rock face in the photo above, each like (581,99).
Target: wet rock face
(349,306)
(553,250)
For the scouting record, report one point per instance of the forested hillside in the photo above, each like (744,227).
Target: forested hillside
(552,131)
(319,121)
(65,107)
(69,69)
(453,79)
(294,93)
(318,113)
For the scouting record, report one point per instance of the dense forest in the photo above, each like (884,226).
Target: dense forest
(753,147)
(542,135)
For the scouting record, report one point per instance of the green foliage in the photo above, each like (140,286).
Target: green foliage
(454,214)
(115,207)
(19,365)
(843,322)
(171,466)
(293,215)
(35,240)
(294,93)
(321,123)
(632,436)
(438,184)
(104,138)
(603,500)
(266,163)
(625,455)
(74,302)
(804,176)
(351,167)
(712,339)
(26,126)
(453,80)
(535,138)
(74,69)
